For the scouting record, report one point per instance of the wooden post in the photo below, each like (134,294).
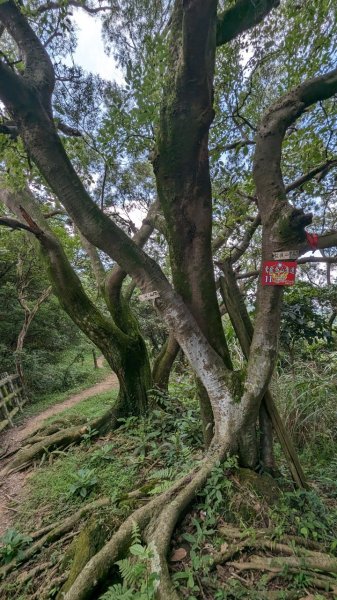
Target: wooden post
(11,399)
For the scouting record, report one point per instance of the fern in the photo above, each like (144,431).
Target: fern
(135,535)
(132,572)
(118,592)
(161,487)
(167,473)
(138,581)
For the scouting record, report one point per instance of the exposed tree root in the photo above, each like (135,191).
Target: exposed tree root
(318,562)
(304,565)
(25,577)
(156,521)
(63,438)
(321,569)
(39,434)
(54,534)
(233,533)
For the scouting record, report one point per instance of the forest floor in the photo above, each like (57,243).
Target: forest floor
(13,487)
(245,537)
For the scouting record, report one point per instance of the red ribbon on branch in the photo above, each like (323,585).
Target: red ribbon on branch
(312,239)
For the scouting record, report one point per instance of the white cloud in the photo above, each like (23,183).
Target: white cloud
(90,52)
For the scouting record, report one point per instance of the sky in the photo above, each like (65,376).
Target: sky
(90,53)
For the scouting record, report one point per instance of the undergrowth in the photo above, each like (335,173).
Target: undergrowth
(141,459)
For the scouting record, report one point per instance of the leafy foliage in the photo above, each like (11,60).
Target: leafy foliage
(12,544)
(304,513)
(305,315)
(171,431)
(138,580)
(83,483)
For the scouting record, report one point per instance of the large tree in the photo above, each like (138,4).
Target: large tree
(230,404)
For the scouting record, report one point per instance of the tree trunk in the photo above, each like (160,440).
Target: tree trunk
(30,314)
(95,358)
(126,353)
(182,172)
(135,380)
(268,414)
(163,363)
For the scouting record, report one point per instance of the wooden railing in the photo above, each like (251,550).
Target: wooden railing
(11,399)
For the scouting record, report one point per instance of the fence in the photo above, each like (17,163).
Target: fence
(11,399)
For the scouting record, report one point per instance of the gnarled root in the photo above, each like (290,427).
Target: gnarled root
(156,521)
(46,430)
(304,557)
(54,534)
(58,440)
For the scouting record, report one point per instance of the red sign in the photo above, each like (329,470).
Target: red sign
(278,272)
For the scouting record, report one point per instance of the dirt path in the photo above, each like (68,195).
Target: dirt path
(11,490)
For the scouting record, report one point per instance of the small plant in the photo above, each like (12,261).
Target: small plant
(213,499)
(89,435)
(12,545)
(84,481)
(139,583)
(102,453)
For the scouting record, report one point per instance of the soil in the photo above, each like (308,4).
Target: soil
(12,489)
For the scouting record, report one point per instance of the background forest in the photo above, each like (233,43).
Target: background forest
(205,468)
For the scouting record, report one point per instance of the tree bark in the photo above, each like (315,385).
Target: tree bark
(268,414)
(181,167)
(29,315)
(163,363)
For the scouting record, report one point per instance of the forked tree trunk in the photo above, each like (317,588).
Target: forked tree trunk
(28,100)
(182,173)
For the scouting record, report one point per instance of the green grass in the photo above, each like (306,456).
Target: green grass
(90,407)
(49,485)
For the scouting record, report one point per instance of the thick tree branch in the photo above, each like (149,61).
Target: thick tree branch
(233,145)
(244,15)
(329,260)
(277,119)
(97,267)
(244,330)
(13,90)
(239,250)
(321,171)
(11,129)
(116,277)
(67,130)
(66,284)
(14,224)
(38,67)
(283,226)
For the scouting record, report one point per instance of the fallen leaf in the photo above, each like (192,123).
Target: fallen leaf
(224,547)
(178,554)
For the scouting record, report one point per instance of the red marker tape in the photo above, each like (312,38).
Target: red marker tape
(312,239)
